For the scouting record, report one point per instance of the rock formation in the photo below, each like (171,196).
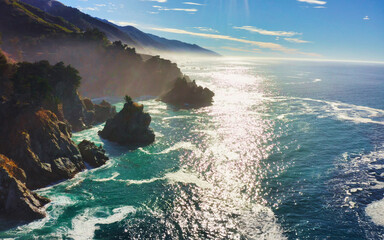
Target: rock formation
(38,143)
(186,94)
(129,127)
(37,102)
(16,200)
(98,113)
(92,154)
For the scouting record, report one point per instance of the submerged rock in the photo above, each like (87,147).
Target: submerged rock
(16,200)
(92,154)
(129,127)
(187,94)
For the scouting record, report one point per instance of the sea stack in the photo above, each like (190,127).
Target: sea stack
(186,94)
(130,126)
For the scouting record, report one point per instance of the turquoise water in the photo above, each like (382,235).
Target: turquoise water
(289,150)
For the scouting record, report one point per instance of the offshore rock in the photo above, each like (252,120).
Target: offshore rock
(98,113)
(92,154)
(129,127)
(38,143)
(16,200)
(186,94)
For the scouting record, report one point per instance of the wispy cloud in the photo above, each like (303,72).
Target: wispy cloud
(268,45)
(193,3)
(206,29)
(242,50)
(100,5)
(123,23)
(319,7)
(296,40)
(313,2)
(268,32)
(160,8)
(366,18)
(88,9)
(159,1)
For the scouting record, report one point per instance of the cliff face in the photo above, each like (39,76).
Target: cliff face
(38,143)
(35,145)
(16,200)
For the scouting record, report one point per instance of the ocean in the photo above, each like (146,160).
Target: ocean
(288,150)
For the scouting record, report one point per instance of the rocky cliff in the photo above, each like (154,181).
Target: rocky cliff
(38,142)
(16,200)
(35,145)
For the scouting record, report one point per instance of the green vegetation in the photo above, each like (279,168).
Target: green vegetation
(39,82)
(128,99)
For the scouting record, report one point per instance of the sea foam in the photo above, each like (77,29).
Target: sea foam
(85,224)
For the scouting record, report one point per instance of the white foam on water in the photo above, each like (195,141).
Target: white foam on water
(58,203)
(177,146)
(177,117)
(78,181)
(139,182)
(85,224)
(184,176)
(375,211)
(342,111)
(260,223)
(113,177)
(317,80)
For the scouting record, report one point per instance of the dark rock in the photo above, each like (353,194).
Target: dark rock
(186,94)
(39,144)
(92,154)
(104,111)
(88,104)
(129,127)
(98,113)
(16,200)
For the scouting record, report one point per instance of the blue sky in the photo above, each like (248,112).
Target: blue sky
(324,29)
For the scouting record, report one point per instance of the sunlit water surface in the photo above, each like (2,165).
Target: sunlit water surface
(288,150)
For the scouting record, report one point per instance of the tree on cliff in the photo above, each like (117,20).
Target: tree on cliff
(35,82)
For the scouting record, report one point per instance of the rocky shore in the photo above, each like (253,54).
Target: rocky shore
(39,108)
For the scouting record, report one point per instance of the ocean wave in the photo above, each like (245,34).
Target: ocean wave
(177,146)
(113,177)
(342,111)
(181,176)
(85,224)
(304,82)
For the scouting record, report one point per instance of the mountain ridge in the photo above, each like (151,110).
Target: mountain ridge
(143,42)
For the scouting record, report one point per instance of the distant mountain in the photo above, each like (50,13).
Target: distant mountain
(81,20)
(143,42)
(162,44)
(18,19)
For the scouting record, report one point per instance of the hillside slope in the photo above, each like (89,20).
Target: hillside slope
(143,42)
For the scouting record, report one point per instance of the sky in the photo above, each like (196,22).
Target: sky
(316,29)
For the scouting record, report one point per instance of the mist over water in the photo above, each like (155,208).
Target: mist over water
(288,150)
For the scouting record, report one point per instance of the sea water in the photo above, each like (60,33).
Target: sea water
(288,150)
